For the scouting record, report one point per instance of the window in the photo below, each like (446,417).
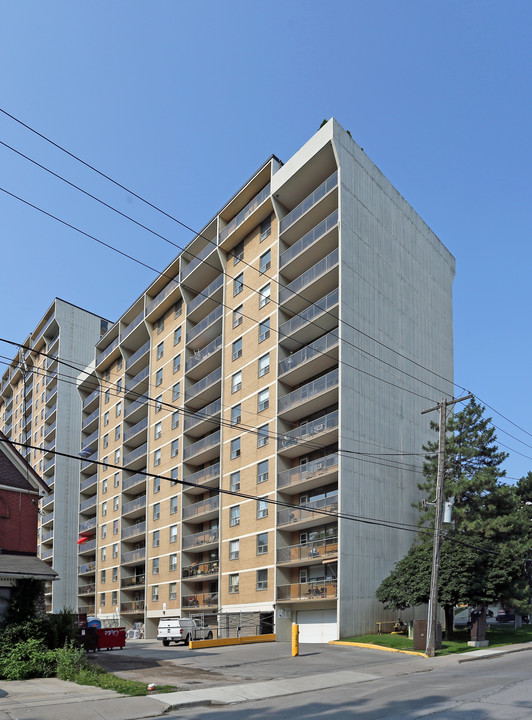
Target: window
(156,511)
(172,591)
(158,403)
(102,599)
(177,308)
(177,335)
(105,460)
(173,505)
(117,456)
(234,515)
(262,508)
(234,549)
(115,550)
(102,576)
(175,420)
(235,448)
(106,418)
(264,365)
(263,400)
(158,430)
(176,391)
(262,543)
(173,533)
(236,414)
(119,364)
(173,562)
(115,574)
(264,296)
(177,363)
(234,481)
(104,508)
(114,597)
(262,471)
(118,409)
(238,252)
(175,447)
(156,538)
(262,436)
(117,432)
(119,386)
(265,228)
(103,553)
(262,579)
(233,583)
(236,382)
(156,457)
(115,527)
(155,566)
(116,502)
(104,531)
(238,284)
(237,349)
(174,474)
(264,330)
(105,440)
(160,325)
(159,377)
(160,350)
(104,486)
(265,261)
(238,316)
(156,485)
(155,593)
(107,396)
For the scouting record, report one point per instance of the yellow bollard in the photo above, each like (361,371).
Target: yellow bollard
(295,640)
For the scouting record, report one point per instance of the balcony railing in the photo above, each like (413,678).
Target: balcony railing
(135,504)
(306,430)
(203,384)
(139,427)
(132,325)
(203,476)
(309,201)
(87,568)
(309,314)
(139,377)
(138,529)
(134,581)
(87,589)
(202,507)
(303,243)
(204,353)
(135,454)
(132,607)
(245,213)
(209,319)
(307,512)
(88,482)
(203,414)
(311,275)
(200,569)
(202,538)
(89,419)
(309,470)
(314,349)
(133,480)
(308,551)
(134,555)
(94,394)
(165,292)
(51,411)
(200,600)
(203,444)
(47,554)
(310,390)
(87,504)
(133,407)
(137,354)
(195,262)
(83,609)
(87,461)
(87,547)
(88,525)
(108,350)
(216,284)
(320,590)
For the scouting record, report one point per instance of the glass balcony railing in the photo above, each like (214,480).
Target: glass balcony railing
(202,538)
(87,589)
(211,318)
(108,350)
(308,551)
(287,516)
(134,555)
(139,427)
(314,349)
(205,443)
(90,418)
(134,406)
(165,292)
(133,480)
(307,430)
(134,530)
(311,200)
(88,482)
(307,240)
(88,461)
(51,411)
(132,325)
(203,414)
(137,354)
(86,568)
(245,213)
(200,600)
(136,504)
(87,547)
(309,276)
(134,581)
(89,441)
(216,284)
(139,377)
(88,525)
(87,504)
(94,394)
(309,314)
(319,590)
(204,475)
(210,379)
(132,607)
(135,454)
(310,390)
(45,554)
(204,353)
(200,508)
(200,569)
(195,262)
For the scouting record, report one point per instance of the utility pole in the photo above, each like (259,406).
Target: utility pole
(440,481)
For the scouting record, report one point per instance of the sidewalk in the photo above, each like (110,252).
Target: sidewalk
(52,699)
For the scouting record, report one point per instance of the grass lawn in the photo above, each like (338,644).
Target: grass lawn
(497,635)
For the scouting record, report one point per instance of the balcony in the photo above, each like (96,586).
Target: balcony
(87,589)
(91,400)
(172,286)
(199,571)
(204,540)
(135,410)
(316,206)
(134,557)
(205,390)
(89,464)
(135,581)
(136,458)
(134,508)
(136,430)
(310,435)
(107,352)
(244,214)
(310,398)
(311,553)
(47,554)
(48,465)
(86,528)
(308,476)
(204,419)
(138,384)
(132,607)
(89,504)
(90,421)
(47,536)
(84,610)
(89,483)
(319,240)
(311,360)
(306,515)
(200,600)
(203,479)
(134,481)
(48,501)
(310,323)
(203,450)
(87,547)
(203,510)
(205,301)
(132,325)
(87,569)
(206,330)
(49,412)
(88,443)
(204,360)
(311,285)
(320,590)
(202,256)
(134,360)
(28,388)
(134,530)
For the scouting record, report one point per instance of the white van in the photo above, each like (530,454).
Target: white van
(182,630)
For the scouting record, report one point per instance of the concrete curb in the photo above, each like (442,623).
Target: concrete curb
(370,646)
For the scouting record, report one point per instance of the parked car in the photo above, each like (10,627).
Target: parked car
(182,630)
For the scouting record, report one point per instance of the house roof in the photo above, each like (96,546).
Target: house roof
(13,567)
(16,472)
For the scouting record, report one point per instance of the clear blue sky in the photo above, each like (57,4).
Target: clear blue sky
(183,101)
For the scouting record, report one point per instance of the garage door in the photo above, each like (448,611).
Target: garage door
(317,626)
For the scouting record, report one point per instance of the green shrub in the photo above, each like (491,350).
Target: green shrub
(71,662)
(27,659)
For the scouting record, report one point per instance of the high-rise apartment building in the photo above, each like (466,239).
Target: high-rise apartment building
(270,359)
(40,406)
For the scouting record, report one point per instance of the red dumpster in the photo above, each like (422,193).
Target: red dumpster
(110,638)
